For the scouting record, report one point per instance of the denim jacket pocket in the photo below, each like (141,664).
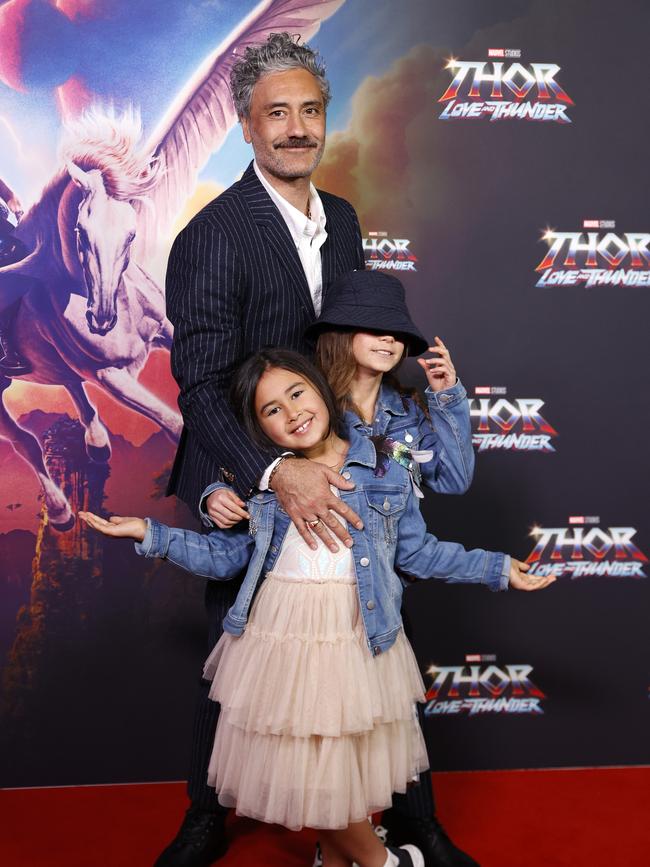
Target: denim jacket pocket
(386,505)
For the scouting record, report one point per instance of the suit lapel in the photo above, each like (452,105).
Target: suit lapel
(328,253)
(276,233)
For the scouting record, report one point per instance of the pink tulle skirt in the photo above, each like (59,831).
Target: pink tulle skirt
(314,730)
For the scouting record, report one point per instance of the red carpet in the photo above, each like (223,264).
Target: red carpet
(566,818)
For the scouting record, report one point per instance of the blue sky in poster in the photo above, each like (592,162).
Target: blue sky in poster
(143,51)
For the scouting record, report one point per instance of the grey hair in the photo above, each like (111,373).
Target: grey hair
(279,53)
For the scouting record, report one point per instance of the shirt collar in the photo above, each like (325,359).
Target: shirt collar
(362,449)
(391,401)
(388,400)
(299,224)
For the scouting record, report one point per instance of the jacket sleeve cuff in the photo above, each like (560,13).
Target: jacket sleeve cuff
(203,506)
(447,398)
(497,574)
(156,540)
(505,572)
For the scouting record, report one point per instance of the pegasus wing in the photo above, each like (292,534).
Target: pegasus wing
(200,117)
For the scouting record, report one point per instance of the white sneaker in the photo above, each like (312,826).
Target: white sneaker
(407,855)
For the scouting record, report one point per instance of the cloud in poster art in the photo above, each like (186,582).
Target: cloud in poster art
(381,162)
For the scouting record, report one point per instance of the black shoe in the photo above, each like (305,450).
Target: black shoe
(430,838)
(201,839)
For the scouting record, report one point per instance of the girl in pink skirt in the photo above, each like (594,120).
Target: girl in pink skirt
(316,680)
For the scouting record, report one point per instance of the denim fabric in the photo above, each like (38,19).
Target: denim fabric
(447,433)
(394,539)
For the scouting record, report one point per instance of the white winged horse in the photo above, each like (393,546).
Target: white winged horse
(92,312)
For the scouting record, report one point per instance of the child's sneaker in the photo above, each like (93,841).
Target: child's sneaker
(408,855)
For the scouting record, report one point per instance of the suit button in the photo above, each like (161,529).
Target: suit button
(370,605)
(408,438)
(364,561)
(346,475)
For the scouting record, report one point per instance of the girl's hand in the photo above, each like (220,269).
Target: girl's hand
(440,372)
(226,509)
(520,581)
(121,528)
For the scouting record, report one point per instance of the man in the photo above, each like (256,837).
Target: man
(251,270)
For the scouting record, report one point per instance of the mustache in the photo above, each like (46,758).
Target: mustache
(297,143)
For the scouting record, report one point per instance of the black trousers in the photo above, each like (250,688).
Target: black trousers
(417,803)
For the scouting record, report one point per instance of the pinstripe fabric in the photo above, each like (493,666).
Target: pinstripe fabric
(235,284)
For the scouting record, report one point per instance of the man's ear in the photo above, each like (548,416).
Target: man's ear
(245,125)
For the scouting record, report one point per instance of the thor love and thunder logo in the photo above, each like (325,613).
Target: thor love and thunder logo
(388,254)
(584,549)
(481,686)
(500,91)
(595,257)
(508,424)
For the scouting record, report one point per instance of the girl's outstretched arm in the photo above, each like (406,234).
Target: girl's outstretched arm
(220,555)
(119,528)
(421,555)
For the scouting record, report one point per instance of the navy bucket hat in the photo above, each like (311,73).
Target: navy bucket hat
(368,301)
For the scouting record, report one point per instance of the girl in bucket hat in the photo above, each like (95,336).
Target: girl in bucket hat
(364,332)
(362,335)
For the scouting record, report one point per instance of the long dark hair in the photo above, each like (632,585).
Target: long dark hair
(335,358)
(246,380)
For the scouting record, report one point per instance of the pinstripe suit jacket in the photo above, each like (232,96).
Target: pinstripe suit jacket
(234,284)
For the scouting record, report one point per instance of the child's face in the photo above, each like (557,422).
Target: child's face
(290,410)
(378,353)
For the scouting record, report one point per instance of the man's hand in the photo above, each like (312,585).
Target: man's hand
(225,508)
(441,373)
(303,489)
(119,528)
(520,581)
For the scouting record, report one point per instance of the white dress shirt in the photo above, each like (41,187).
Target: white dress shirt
(308,235)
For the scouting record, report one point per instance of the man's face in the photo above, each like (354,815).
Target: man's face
(287,124)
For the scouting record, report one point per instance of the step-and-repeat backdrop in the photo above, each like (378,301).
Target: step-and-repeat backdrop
(497,156)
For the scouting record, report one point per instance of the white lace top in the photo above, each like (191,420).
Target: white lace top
(297,561)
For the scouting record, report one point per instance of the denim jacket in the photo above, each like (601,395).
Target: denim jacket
(448,434)
(394,539)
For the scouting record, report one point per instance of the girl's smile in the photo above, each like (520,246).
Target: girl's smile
(303,427)
(290,410)
(376,353)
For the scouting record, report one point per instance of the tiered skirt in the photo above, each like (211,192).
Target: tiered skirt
(314,730)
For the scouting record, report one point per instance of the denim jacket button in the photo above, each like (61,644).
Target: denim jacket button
(376,650)
(409,438)
(364,561)
(370,605)
(346,475)
(274,549)
(386,505)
